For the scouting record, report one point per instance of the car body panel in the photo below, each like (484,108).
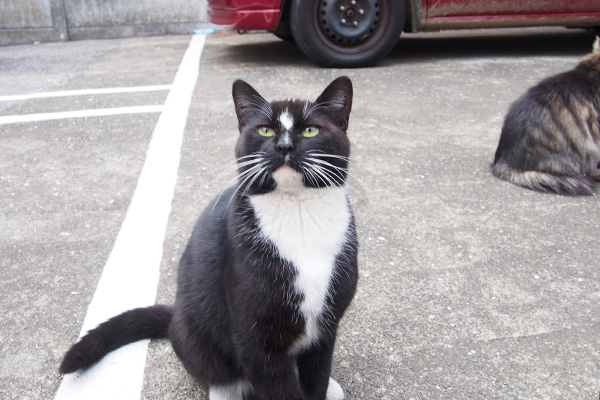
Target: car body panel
(468,14)
(245,14)
(453,8)
(578,20)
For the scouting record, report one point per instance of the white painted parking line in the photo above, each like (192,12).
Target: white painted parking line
(130,276)
(98,112)
(85,92)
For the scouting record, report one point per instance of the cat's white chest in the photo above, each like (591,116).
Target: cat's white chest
(308,227)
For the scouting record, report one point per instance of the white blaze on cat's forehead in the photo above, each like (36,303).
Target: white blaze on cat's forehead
(286,120)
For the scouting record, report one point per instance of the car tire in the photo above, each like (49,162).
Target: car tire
(347,33)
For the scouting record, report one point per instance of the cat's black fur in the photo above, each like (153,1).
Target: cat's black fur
(237,312)
(550,140)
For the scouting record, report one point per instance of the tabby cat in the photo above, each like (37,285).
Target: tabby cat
(550,140)
(271,265)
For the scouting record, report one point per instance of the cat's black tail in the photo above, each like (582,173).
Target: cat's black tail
(545,182)
(131,326)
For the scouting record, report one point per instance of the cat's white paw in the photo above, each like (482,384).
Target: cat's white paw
(234,391)
(334,390)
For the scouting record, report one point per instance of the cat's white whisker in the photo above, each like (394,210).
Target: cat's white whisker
(262,179)
(251,155)
(320,173)
(337,171)
(334,177)
(305,109)
(245,174)
(255,177)
(257,103)
(322,154)
(327,163)
(332,174)
(233,167)
(346,170)
(249,173)
(338,102)
(310,175)
(250,162)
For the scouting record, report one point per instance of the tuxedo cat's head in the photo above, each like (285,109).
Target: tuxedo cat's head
(292,139)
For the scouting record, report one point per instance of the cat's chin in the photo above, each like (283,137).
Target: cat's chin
(288,179)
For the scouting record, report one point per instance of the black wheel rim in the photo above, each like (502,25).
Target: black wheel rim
(350,26)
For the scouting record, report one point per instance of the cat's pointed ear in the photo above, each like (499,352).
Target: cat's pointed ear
(248,102)
(336,100)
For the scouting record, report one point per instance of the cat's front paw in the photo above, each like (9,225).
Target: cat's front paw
(334,390)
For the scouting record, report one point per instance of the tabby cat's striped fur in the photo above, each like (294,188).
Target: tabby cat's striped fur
(550,140)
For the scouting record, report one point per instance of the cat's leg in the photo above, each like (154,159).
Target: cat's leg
(235,391)
(314,368)
(201,355)
(271,375)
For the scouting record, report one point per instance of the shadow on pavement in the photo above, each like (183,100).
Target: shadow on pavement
(496,43)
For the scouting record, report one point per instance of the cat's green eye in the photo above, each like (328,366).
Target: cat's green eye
(310,131)
(266,131)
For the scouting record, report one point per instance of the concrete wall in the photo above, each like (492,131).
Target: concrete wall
(29,21)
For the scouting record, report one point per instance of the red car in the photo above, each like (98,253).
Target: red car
(353,33)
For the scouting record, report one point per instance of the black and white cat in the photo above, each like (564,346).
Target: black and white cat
(271,265)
